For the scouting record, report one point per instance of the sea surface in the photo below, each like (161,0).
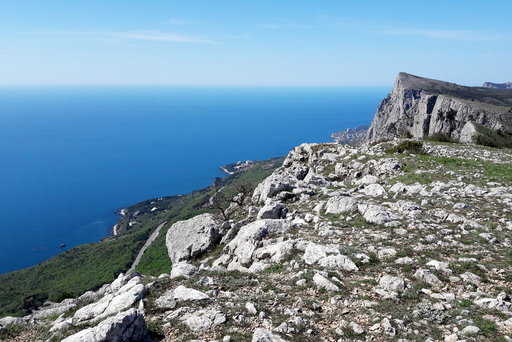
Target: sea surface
(71,156)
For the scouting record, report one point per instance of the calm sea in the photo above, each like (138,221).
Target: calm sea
(69,157)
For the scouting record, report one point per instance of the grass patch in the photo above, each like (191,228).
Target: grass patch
(487,328)
(491,172)
(440,137)
(68,274)
(275,268)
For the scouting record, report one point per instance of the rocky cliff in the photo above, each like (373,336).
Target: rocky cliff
(506,85)
(420,107)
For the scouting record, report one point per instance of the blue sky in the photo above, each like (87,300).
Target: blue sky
(271,43)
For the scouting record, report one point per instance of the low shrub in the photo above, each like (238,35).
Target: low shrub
(440,137)
(408,146)
(493,138)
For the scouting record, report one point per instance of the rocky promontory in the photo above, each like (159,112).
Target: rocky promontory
(506,85)
(420,108)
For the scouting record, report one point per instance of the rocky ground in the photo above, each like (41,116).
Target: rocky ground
(339,244)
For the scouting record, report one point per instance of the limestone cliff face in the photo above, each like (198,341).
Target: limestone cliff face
(420,107)
(506,85)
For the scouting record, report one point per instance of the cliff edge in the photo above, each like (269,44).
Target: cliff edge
(420,107)
(506,85)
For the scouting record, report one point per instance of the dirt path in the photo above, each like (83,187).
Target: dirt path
(148,243)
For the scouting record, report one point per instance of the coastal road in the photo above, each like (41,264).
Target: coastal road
(148,243)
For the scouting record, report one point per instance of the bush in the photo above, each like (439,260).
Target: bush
(408,146)
(440,137)
(492,138)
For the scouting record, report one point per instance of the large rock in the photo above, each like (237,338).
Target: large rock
(421,107)
(126,326)
(272,210)
(468,133)
(324,283)
(203,320)
(341,205)
(328,257)
(125,297)
(263,335)
(10,321)
(182,293)
(189,239)
(392,284)
(376,214)
(374,190)
(183,269)
(271,186)
(338,262)
(166,300)
(276,252)
(247,240)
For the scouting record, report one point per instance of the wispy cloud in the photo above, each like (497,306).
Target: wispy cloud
(161,37)
(177,22)
(461,35)
(156,36)
(286,25)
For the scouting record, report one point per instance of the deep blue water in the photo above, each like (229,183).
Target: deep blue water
(69,157)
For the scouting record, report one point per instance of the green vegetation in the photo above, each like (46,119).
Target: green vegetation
(493,138)
(408,146)
(440,137)
(488,328)
(88,267)
(491,172)
(275,268)
(155,260)
(69,274)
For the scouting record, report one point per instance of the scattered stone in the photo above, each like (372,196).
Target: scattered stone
(263,335)
(181,294)
(470,330)
(182,269)
(204,320)
(324,283)
(251,309)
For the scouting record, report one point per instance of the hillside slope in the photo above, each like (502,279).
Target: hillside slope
(88,267)
(400,240)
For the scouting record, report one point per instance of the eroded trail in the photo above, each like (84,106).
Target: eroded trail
(148,243)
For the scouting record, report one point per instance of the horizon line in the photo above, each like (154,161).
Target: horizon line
(191,85)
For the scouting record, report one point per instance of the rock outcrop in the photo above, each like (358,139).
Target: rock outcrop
(420,107)
(123,327)
(190,238)
(506,85)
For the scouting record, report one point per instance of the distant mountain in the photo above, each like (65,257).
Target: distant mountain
(351,136)
(507,85)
